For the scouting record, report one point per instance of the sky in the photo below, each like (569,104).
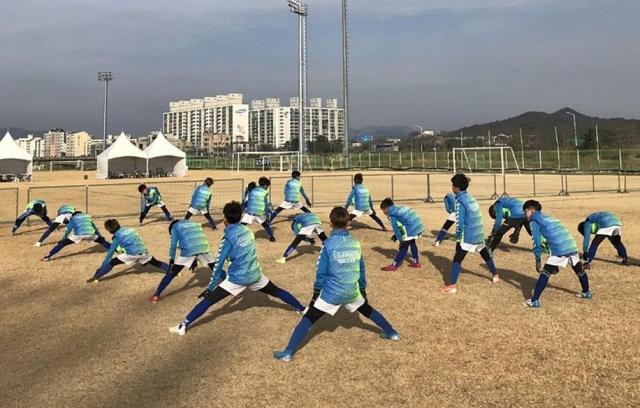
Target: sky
(441,64)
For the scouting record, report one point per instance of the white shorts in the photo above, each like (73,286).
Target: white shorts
(332,309)
(60,219)
(78,238)
(610,231)
(452,217)
(563,261)
(412,238)
(287,205)
(250,218)
(308,231)
(472,247)
(131,259)
(358,213)
(195,211)
(236,289)
(187,261)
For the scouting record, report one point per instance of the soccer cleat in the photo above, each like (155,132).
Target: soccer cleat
(93,279)
(436,243)
(272,239)
(284,355)
(534,304)
(495,278)
(584,295)
(13,230)
(46,258)
(623,261)
(37,244)
(450,289)
(281,260)
(154,299)
(389,268)
(312,242)
(180,329)
(415,264)
(394,335)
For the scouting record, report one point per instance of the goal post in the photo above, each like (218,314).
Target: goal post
(463,161)
(283,161)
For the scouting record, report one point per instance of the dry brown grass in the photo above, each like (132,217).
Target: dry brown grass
(66,343)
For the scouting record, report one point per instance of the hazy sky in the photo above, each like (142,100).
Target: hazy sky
(440,63)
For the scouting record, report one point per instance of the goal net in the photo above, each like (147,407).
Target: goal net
(497,158)
(280,161)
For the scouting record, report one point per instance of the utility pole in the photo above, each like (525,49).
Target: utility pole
(300,9)
(106,77)
(345,74)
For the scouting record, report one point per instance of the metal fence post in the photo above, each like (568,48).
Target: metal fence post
(534,184)
(86,199)
(429,199)
(313,197)
(495,187)
(392,188)
(593,182)
(540,158)
(566,183)
(17,201)
(563,191)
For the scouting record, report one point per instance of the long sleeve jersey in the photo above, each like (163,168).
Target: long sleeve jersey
(304,220)
(81,224)
(66,209)
(360,197)
(201,198)
(258,202)
(507,207)
(405,222)
(32,204)
(469,228)
(190,238)
(293,191)
(596,221)
(450,203)
(153,197)
(340,271)
(129,241)
(558,239)
(238,246)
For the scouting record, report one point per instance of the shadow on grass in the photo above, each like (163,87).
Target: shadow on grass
(386,252)
(134,270)
(93,250)
(305,250)
(198,279)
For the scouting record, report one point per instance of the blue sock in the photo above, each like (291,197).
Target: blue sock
(267,228)
(58,247)
(164,283)
(377,220)
(104,269)
(414,251)
(197,311)
(540,285)
(584,282)
(455,272)
(441,235)
(402,253)
(491,266)
(289,250)
(592,253)
(289,299)
(299,333)
(381,322)
(622,251)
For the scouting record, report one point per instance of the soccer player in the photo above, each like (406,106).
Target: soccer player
(201,201)
(194,247)
(561,246)
(360,197)
(80,228)
(35,207)
(508,213)
(238,246)
(407,228)
(450,207)
(134,251)
(245,196)
(604,225)
(304,226)
(64,215)
(469,232)
(152,198)
(257,208)
(293,192)
(340,281)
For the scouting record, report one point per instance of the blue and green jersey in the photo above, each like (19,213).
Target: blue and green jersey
(558,239)
(32,203)
(450,203)
(293,191)
(238,246)
(81,224)
(66,209)
(128,241)
(507,207)
(153,197)
(304,220)
(360,197)
(469,228)
(258,202)
(596,221)
(405,222)
(189,237)
(201,198)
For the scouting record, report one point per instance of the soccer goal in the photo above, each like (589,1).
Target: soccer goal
(283,161)
(466,158)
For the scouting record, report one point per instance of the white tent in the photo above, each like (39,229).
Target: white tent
(121,157)
(13,159)
(161,154)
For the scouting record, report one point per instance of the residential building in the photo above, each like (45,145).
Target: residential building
(55,143)
(33,145)
(78,144)
(215,142)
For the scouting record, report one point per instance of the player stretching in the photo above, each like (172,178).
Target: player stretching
(152,198)
(469,232)
(407,228)
(509,210)
(304,226)
(193,244)
(360,197)
(340,281)
(603,225)
(450,207)
(64,215)
(201,201)
(245,196)
(135,251)
(562,248)
(80,228)
(35,207)
(257,207)
(238,246)
(293,192)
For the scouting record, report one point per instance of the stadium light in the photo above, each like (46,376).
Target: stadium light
(301,10)
(345,75)
(105,76)
(575,136)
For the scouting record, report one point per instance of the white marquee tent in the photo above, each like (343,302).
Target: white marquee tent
(161,154)
(13,159)
(121,157)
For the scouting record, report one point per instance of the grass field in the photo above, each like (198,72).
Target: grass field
(67,343)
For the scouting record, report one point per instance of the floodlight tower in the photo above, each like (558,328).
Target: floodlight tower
(345,75)
(300,9)
(105,76)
